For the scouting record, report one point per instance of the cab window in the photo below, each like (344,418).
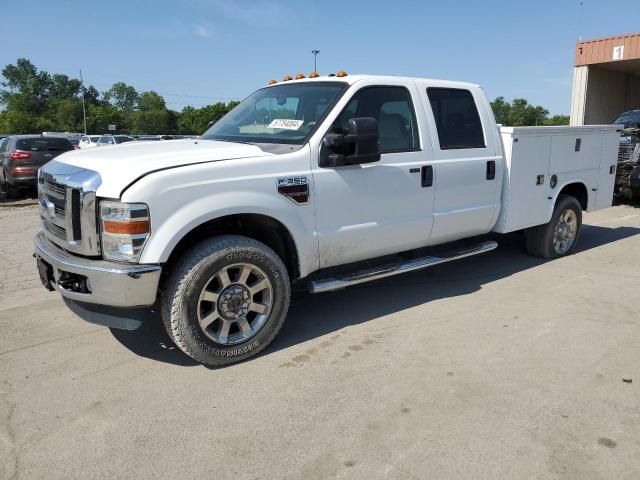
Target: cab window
(457,119)
(392,108)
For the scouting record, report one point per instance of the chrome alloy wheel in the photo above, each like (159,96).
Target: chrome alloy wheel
(564,234)
(235,303)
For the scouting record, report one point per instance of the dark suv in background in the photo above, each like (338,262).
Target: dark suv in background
(22,155)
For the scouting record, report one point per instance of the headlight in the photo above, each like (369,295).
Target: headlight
(125,230)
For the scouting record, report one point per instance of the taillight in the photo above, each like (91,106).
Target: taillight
(19,155)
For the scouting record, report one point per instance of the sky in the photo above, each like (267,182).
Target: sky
(195,52)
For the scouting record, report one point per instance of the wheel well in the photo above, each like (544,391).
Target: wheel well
(259,227)
(577,190)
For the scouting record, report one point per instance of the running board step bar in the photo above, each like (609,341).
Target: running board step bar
(389,270)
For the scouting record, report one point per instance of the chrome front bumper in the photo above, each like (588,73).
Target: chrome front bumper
(108,283)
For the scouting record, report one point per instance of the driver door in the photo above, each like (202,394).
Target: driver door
(374,209)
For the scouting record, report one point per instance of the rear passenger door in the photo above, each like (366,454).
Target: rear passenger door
(468,164)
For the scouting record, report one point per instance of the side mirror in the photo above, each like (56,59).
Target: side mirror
(360,145)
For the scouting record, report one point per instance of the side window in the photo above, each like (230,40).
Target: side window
(393,108)
(3,145)
(457,118)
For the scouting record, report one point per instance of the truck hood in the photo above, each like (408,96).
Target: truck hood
(121,165)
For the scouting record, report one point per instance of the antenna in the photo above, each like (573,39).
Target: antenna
(580,22)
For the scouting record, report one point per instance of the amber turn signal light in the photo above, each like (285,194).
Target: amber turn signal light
(314,75)
(299,76)
(287,78)
(131,227)
(341,73)
(271,82)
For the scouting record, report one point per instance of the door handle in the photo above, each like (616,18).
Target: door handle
(491,169)
(426,174)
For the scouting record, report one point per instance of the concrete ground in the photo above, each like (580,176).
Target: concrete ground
(501,366)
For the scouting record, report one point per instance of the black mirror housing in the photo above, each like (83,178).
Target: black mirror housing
(360,145)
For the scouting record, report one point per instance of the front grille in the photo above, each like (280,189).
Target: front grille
(54,229)
(51,188)
(53,207)
(68,207)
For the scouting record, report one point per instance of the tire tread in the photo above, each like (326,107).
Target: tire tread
(188,266)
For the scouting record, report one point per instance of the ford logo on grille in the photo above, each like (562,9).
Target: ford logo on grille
(48,207)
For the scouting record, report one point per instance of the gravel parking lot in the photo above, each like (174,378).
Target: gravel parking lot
(498,366)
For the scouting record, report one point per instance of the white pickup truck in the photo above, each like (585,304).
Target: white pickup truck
(324,182)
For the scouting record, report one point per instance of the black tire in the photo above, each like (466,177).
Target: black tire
(181,297)
(12,191)
(540,239)
(9,190)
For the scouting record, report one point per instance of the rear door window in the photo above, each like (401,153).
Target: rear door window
(457,119)
(44,144)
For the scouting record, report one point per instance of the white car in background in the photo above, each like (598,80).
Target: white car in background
(105,140)
(89,141)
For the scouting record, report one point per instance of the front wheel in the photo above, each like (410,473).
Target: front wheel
(560,236)
(226,299)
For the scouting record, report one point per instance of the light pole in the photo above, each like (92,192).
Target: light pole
(84,110)
(315,58)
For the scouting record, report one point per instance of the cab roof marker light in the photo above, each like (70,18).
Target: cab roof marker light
(341,73)
(300,76)
(314,75)
(272,81)
(287,78)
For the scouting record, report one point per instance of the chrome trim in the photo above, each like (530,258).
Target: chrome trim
(329,284)
(113,284)
(57,181)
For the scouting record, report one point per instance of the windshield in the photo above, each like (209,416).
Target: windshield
(280,114)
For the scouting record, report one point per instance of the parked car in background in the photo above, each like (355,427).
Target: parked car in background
(148,138)
(22,155)
(75,142)
(630,119)
(628,170)
(114,140)
(89,141)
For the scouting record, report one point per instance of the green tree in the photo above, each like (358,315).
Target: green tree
(99,117)
(149,122)
(123,96)
(558,120)
(151,101)
(68,115)
(501,110)
(26,89)
(15,121)
(195,120)
(520,113)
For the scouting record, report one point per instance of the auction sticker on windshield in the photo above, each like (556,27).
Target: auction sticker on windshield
(286,124)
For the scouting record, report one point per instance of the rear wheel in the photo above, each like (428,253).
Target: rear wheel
(226,299)
(560,236)
(9,190)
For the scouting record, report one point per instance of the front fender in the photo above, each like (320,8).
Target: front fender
(184,198)
(174,228)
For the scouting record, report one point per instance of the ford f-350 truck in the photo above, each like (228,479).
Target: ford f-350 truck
(323,182)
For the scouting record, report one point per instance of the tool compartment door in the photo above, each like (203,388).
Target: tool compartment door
(525,200)
(607,171)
